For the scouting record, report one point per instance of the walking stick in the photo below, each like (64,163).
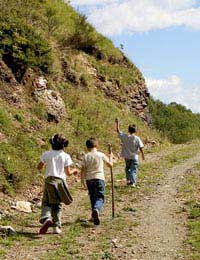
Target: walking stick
(112,183)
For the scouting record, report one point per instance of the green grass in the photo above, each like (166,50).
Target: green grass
(5,121)
(190,192)
(2,253)
(124,75)
(68,245)
(197,166)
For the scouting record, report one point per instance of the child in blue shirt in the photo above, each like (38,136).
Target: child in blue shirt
(131,146)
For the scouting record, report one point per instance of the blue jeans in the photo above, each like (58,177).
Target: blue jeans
(131,170)
(96,189)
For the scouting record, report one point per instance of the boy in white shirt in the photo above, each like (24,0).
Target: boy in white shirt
(131,146)
(92,170)
(57,164)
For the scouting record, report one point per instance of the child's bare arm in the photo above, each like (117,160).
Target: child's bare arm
(142,153)
(40,166)
(69,171)
(83,177)
(110,162)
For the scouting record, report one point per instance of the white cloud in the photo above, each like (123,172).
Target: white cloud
(163,3)
(129,16)
(173,90)
(90,2)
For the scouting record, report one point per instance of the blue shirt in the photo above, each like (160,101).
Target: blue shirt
(130,145)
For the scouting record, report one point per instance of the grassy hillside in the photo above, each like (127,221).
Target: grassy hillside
(38,34)
(83,70)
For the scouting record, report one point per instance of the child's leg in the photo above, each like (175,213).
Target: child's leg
(90,186)
(99,191)
(96,190)
(45,213)
(46,208)
(45,218)
(56,214)
(133,171)
(127,170)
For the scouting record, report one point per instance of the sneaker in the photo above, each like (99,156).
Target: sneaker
(47,223)
(95,215)
(133,185)
(57,230)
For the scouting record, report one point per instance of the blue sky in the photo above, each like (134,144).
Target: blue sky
(162,37)
(159,53)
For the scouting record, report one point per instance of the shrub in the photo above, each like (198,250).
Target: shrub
(175,121)
(18,117)
(84,37)
(84,80)
(22,46)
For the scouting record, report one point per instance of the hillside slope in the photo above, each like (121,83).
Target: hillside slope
(57,74)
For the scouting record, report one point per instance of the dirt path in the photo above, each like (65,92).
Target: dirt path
(155,232)
(29,250)
(162,230)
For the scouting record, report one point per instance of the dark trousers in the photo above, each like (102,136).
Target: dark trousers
(96,189)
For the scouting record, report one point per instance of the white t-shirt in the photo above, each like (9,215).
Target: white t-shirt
(130,145)
(93,164)
(55,162)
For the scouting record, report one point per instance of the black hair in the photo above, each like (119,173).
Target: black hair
(58,142)
(91,143)
(132,128)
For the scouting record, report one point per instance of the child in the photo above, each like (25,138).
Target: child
(57,164)
(92,171)
(131,145)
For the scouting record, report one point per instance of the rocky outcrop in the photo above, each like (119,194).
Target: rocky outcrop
(55,106)
(134,96)
(6,75)
(9,87)
(34,82)
(36,85)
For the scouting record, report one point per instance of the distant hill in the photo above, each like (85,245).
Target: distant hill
(175,121)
